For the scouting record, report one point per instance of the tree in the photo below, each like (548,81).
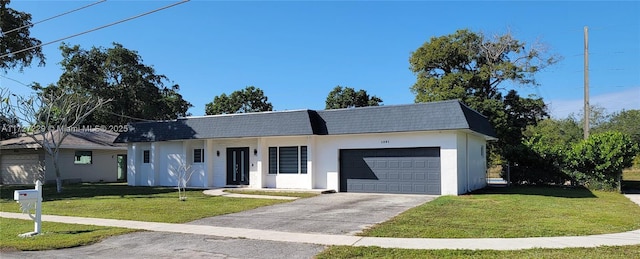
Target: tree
(556,132)
(471,67)
(119,74)
(15,38)
(8,122)
(626,121)
(52,116)
(598,161)
(183,174)
(347,97)
(543,156)
(249,99)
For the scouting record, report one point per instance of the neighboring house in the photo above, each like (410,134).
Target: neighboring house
(427,148)
(85,156)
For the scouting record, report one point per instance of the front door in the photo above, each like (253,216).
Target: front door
(238,166)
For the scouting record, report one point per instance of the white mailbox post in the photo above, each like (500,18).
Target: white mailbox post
(28,200)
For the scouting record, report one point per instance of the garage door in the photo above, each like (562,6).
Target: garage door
(390,170)
(19,169)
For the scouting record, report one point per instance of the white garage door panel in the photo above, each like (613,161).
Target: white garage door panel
(19,169)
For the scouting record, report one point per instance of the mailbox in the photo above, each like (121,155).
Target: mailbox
(26,195)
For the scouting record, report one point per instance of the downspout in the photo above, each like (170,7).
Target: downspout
(466,136)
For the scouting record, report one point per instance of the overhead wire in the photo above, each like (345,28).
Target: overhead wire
(97,28)
(53,17)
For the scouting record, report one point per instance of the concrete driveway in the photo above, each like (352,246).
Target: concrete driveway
(337,213)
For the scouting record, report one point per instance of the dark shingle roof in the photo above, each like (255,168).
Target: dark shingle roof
(291,123)
(445,115)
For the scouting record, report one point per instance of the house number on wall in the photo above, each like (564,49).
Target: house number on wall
(384,142)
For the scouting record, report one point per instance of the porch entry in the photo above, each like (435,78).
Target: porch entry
(238,166)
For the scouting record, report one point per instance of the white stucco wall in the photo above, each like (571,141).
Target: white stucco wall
(471,162)
(140,173)
(477,162)
(327,152)
(288,181)
(199,176)
(171,157)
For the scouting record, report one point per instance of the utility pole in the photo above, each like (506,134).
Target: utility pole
(586,83)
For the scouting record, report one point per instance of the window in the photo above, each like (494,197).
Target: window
(145,156)
(82,158)
(482,151)
(198,155)
(288,160)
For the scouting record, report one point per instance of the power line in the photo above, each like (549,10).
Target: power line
(128,117)
(53,17)
(97,28)
(15,80)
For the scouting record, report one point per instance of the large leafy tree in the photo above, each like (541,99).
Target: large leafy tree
(473,68)
(249,99)
(347,97)
(119,74)
(626,121)
(15,38)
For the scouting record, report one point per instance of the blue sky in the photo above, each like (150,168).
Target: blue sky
(297,51)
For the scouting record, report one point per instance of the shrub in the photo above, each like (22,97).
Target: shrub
(539,162)
(597,162)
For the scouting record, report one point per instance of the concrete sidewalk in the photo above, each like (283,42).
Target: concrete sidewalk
(618,239)
(221,192)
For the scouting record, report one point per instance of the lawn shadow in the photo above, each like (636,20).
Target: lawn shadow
(86,190)
(551,191)
(73,232)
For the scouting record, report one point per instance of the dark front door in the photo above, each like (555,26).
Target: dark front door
(238,166)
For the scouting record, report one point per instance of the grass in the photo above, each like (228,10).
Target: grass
(54,236)
(515,212)
(377,252)
(118,201)
(274,193)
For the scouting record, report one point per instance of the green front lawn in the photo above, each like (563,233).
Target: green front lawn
(515,212)
(53,236)
(112,201)
(377,252)
(118,201)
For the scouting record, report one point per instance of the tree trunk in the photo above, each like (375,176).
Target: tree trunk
(58,178)
(58,184)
